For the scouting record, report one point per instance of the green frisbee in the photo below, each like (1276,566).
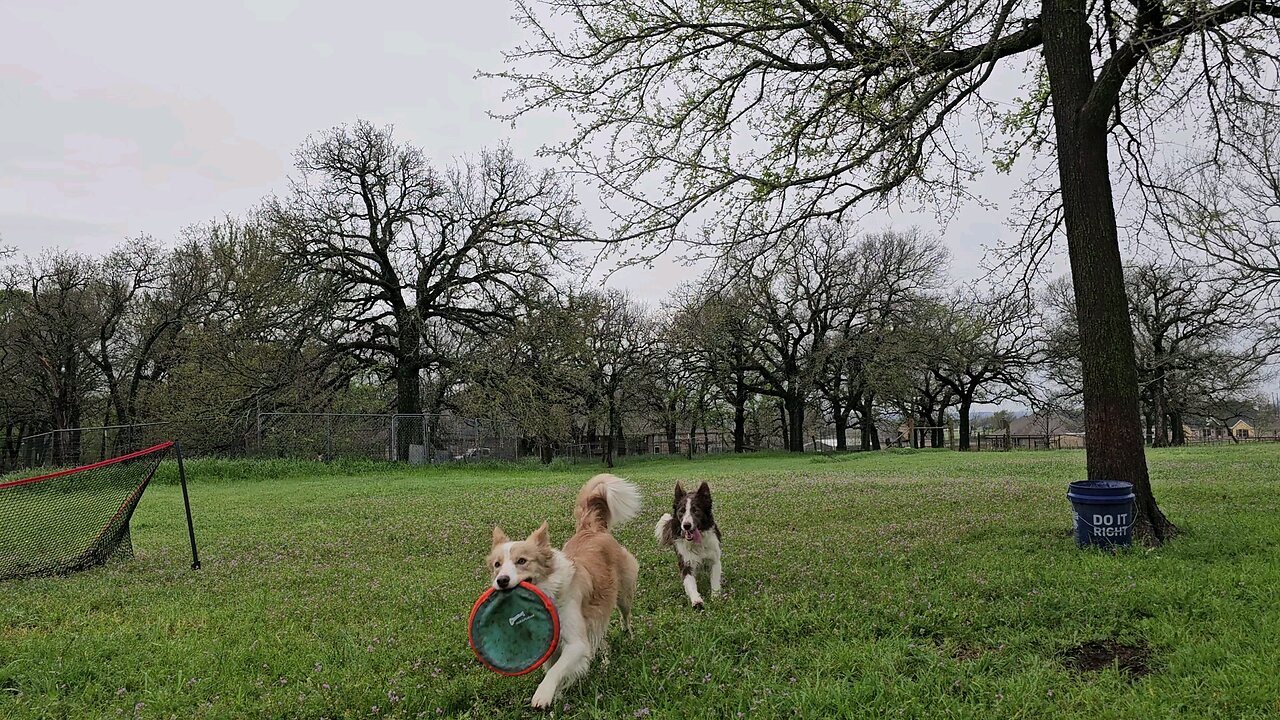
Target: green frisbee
(514,631)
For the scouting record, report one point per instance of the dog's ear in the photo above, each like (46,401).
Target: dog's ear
(704,490)
(541,536)
(679,491)
(499,537)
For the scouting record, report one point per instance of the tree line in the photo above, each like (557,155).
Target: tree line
(379,283)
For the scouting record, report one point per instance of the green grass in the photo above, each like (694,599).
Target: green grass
(898,584)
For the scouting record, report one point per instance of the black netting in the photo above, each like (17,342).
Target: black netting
(74,519)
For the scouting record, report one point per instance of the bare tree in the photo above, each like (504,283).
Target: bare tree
(404,247)
(676,364)
(708,341)
(142,298)
(51,324)
(618,340)
(793,297)
(862,354)
(23,408)
(991,347)
(534,373)
(1201,344)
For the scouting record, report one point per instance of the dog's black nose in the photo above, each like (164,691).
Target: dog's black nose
(688,526)
(503,581)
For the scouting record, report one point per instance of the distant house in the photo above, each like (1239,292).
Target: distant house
(1237,427)
(1041,431)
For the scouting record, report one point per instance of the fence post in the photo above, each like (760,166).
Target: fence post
(328,436)
(186,502)
(395,445)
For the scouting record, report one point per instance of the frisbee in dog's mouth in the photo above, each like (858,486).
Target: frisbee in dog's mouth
(694,535)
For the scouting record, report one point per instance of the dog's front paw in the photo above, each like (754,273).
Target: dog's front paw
(697,604)
(543,698)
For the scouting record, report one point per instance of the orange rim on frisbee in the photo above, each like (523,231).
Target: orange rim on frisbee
(513,632)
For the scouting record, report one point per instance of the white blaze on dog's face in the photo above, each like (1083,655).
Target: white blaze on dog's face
(692,512)
(512,562)
(687,523)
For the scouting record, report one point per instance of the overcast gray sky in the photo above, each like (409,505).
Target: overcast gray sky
(119,119)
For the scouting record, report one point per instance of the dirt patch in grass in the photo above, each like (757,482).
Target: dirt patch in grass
(1096,655)
(964,651)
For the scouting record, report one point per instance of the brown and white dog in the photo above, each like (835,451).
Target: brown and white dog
(692,529)
(585,580)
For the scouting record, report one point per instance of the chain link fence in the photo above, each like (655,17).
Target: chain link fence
(80,446)
(445,438)
(416,439)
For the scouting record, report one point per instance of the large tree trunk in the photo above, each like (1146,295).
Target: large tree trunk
(795,416)
(786,428)
(407,403)
(1179,434)
(65,410)
(408,380)
(1161,436)
(1113,427)
(740,418)
(966,404)
(870,433)
(868,406)
(607,450)
(841,417)
(619,437)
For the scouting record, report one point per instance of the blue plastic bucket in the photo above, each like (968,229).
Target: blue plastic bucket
(1103,511)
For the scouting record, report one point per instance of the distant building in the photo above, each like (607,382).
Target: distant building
(1042,431)
(1211,429)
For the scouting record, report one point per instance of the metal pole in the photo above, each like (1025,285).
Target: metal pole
(186,502)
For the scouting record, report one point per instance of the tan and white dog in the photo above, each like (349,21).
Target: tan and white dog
(585,580)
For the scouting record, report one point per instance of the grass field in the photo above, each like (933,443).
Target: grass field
(899,584)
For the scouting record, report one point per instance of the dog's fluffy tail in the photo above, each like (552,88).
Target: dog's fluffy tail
(661,531)
(605,502)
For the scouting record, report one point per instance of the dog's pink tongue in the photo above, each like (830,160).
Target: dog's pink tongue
(695,536)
